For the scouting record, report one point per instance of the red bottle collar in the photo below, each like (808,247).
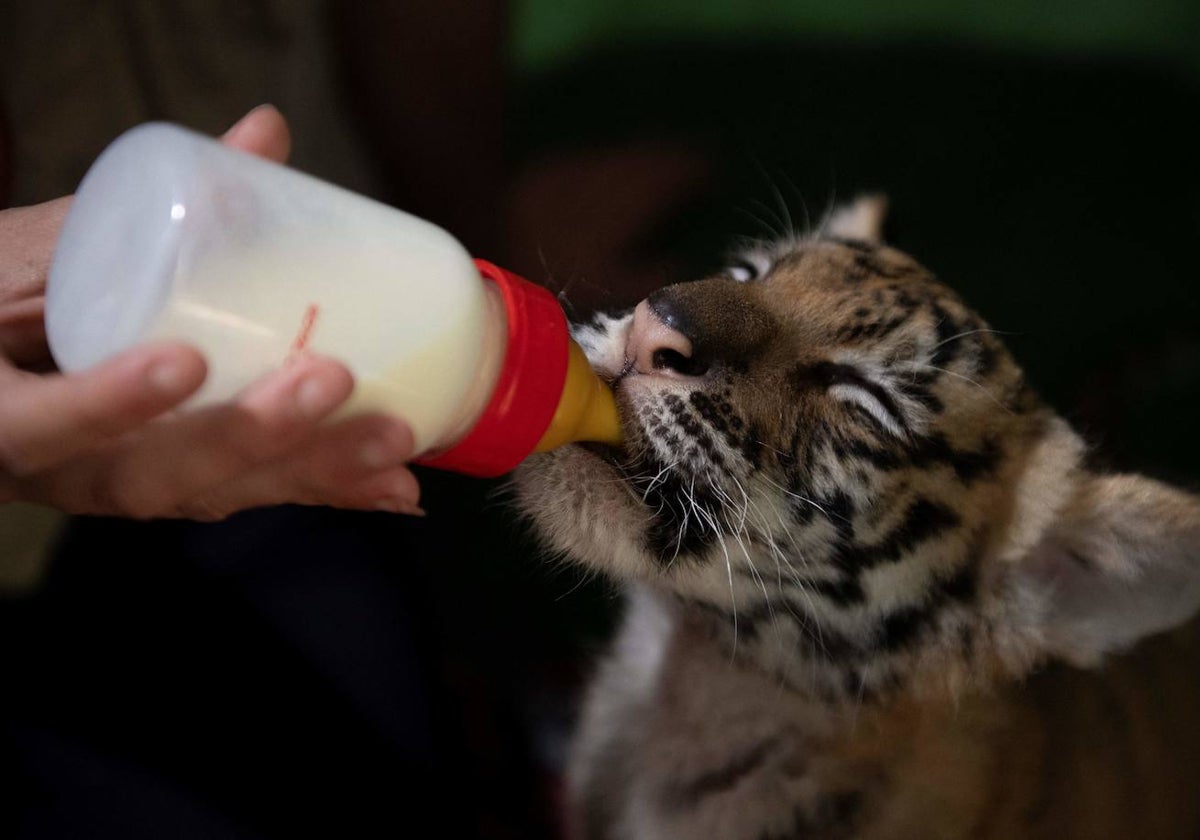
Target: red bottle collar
(528,388)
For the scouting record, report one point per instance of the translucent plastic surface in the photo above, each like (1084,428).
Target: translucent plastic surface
(172,235)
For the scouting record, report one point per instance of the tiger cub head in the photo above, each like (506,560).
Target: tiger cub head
(837,466)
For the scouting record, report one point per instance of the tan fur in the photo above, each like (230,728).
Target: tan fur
(868,566)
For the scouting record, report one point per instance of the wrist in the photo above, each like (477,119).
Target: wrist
(27,237)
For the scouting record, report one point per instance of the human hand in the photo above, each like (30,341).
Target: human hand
(106,441)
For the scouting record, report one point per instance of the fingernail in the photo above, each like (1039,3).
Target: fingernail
(399,506)
(373,454)
(169,377)
(387,447)
(315,398)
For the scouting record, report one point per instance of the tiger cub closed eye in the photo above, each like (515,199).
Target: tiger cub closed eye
(873,591)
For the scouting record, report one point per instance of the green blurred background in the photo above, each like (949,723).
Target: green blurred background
(547,33)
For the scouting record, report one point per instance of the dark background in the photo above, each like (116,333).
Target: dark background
(298,671)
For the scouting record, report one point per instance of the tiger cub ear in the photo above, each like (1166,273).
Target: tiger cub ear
(1121,562)
(860,219)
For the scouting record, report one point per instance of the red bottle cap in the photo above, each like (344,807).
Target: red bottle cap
(529,386)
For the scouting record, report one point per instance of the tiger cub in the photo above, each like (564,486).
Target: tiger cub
(874,590)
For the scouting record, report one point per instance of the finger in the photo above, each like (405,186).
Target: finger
(23,333)
(263,132)
(396,491)
(175,461)
(340,466)
(48,420)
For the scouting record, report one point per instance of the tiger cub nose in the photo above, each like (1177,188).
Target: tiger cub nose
(655,344)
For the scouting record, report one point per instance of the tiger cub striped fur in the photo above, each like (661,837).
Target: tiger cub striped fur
(874,590)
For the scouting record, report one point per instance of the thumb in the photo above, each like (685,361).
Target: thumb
(263,132)
(47,420)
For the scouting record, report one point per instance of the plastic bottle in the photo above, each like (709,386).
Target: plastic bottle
(172,235)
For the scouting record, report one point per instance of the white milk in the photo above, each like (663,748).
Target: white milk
(415,329)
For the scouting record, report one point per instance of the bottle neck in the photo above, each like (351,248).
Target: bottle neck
(526,391)
(494,345)
(543,394)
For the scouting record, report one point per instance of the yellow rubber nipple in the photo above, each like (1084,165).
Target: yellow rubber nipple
(587,409)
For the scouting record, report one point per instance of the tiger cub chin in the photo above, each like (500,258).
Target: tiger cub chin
(874,591)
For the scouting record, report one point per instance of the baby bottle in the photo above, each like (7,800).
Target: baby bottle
(172,235)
